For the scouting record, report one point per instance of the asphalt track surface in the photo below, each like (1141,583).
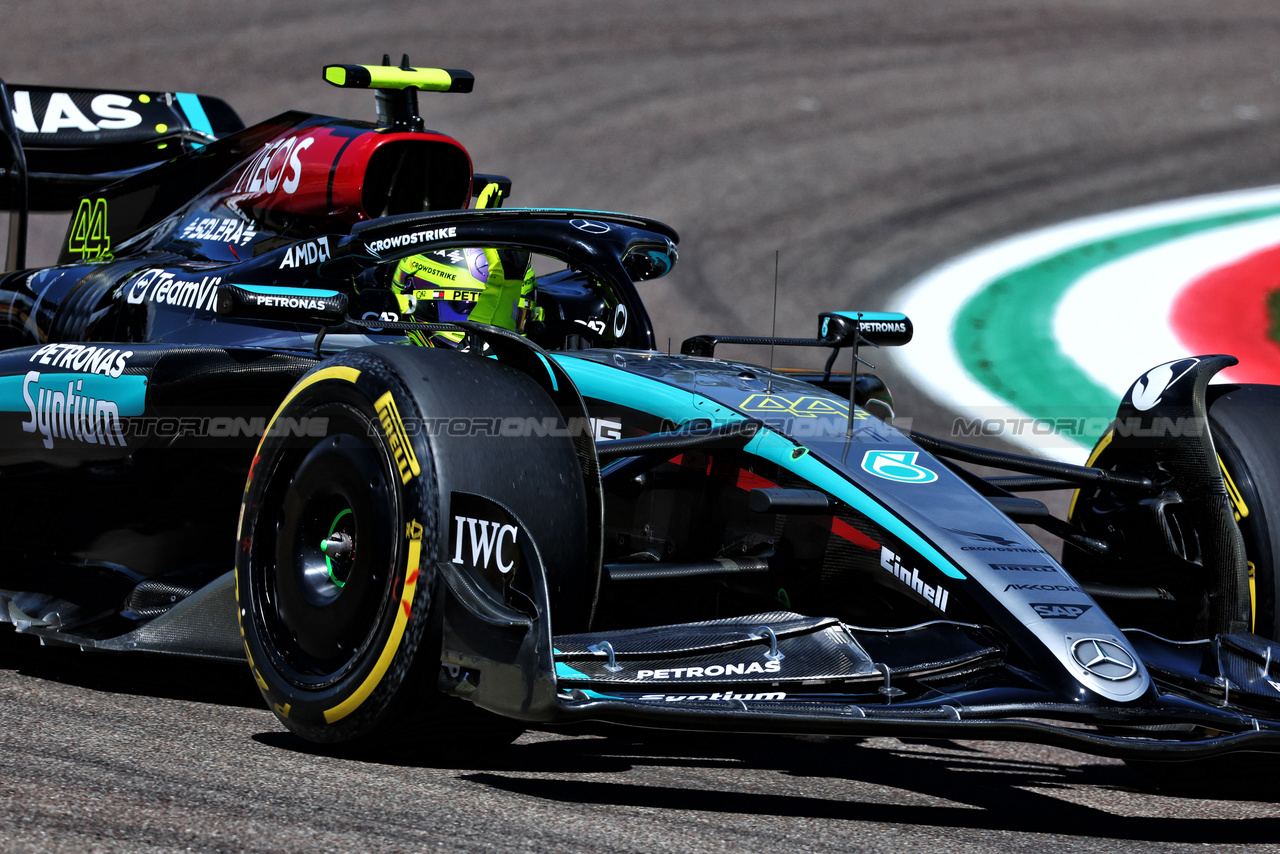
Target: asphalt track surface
(864,142)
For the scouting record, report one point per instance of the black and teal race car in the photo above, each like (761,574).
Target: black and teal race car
(221,437)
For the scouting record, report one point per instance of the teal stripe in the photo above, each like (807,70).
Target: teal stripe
(555,385)
(679,406)
(194,110)
(127,392)
(286,292)
(888,316)
(564,671)
(1004,334)
(676,405)
(777,449)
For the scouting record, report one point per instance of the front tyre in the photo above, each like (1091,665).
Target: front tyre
(1242,420)
(332,585)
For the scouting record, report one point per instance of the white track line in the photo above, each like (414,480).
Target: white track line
(935,299)
(1114,321)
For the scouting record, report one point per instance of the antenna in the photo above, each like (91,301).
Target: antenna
(774,334)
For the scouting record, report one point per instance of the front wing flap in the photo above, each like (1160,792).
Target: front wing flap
(786,673)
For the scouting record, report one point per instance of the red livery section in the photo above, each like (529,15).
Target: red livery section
(841,528)
(348,173)
(293,176)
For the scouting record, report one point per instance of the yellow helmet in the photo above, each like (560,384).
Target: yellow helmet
(486,285)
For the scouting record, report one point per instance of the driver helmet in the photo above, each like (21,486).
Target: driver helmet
(494,286)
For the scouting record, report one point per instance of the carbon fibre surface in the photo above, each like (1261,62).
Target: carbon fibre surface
(738,651)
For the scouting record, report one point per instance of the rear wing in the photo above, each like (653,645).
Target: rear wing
(61,143)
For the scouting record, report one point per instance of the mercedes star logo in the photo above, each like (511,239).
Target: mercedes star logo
(1104,659)
(589,226)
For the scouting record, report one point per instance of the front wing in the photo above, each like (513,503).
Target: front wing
(785,673)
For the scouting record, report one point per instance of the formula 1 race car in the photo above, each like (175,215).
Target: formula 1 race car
(544,516)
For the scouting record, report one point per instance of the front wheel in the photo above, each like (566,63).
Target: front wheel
(329,574)
(1242,420)
(335,568)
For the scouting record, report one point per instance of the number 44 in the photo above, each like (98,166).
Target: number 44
(89,238)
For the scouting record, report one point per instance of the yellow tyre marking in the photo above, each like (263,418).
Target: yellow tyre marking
(1241,510)
(1237,501)
(362,693)
(337,372)
(262,683)
(1253,597)
(393,426)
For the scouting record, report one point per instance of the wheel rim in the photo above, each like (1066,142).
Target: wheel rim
(339,549)
(328,558)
